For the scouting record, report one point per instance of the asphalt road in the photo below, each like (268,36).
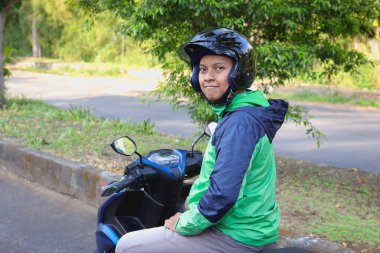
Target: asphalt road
(352,137)
(352,133)
(34,219)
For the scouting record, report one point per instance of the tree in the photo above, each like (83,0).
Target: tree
(292,37)
(36,48)
(4,8)
(66,33)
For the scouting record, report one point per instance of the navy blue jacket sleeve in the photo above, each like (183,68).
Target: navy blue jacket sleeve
(234,149)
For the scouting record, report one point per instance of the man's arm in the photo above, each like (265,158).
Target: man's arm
(234,152)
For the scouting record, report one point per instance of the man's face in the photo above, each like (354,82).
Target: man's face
(213,73)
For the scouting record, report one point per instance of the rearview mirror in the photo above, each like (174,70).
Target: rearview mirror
(210,128)
(124,146)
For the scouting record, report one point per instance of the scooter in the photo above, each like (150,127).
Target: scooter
(151,190)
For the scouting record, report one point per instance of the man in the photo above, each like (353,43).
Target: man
(232,206)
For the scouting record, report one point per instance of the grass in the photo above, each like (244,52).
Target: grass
(87,69)
(75,133)
(334,98)
(336,204)
(72,71)
(366,77)
(358,89)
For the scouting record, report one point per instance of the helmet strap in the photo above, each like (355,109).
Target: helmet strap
(230,97)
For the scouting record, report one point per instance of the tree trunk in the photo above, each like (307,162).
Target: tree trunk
(2,57)
(36,45)
(3,11)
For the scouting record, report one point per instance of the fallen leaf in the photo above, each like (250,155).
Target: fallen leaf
(360,180)
(284,231)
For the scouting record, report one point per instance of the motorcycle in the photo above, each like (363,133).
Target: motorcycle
(152,189)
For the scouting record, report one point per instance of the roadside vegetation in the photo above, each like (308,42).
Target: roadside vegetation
(84,69)
(359,89)
(366,77)
(76,134)
(72,71)
(333,98)
(336,204)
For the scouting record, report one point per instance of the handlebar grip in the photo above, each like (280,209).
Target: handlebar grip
(117,186)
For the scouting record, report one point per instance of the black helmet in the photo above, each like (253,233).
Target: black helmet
(222,41)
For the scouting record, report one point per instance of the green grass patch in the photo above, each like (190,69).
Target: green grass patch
(75,133)
(337,204)
(334,98)
(87,69)
(72,71)
(366,77)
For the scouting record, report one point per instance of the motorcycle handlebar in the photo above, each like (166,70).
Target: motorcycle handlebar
(117,186)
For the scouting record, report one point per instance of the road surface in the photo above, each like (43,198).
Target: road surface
(34,219)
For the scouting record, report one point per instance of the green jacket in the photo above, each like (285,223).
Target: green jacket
(235,191)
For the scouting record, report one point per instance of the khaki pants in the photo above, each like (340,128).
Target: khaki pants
(161,239)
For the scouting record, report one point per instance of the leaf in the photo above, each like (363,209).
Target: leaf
(6,72)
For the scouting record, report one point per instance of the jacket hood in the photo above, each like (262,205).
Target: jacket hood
(269,113)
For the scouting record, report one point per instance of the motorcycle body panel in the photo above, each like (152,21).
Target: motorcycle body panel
(146,207)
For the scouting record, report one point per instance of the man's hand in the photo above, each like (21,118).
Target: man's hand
(172,221)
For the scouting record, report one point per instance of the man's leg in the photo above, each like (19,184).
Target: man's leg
(161,239)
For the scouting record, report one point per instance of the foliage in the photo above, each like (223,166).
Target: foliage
(301,118)
(66,33)
(6,4)
(14,33)
(366,77)
(291,37)
(7,59)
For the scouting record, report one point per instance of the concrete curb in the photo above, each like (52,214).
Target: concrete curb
(84,182)
(64,176)
(314,244)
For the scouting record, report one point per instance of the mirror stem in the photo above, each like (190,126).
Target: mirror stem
(140,156)
(192,145)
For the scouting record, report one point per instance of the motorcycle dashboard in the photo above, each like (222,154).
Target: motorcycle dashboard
(164,157)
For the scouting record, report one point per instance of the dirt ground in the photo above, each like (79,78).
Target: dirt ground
(326,193)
